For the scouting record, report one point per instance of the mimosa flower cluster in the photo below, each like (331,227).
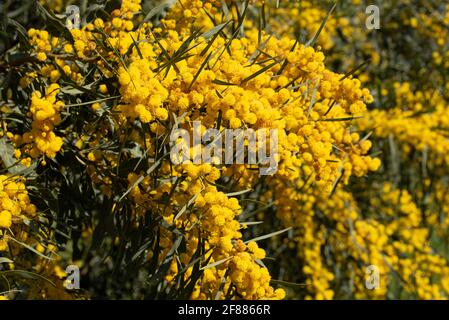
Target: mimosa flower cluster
(15,208)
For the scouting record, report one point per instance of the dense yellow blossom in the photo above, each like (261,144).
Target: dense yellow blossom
(16,211)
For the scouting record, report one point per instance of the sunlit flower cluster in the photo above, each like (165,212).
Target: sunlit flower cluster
(15,208)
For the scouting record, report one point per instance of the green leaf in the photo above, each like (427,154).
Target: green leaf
(323,24)
(157,10)
(237,193)
(5,260)
(215,30)
(255,74)
(340,119)
(31,249)
(270,235)
(184,208)
(223,83)
(27,275)
(216,263)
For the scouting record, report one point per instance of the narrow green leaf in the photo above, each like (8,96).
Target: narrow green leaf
(255,74)
(5,260)
(31,249)
(323,24)
(270,235)
(215,264)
